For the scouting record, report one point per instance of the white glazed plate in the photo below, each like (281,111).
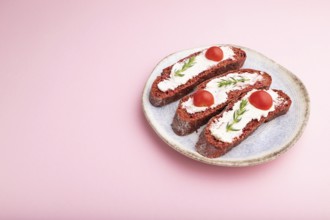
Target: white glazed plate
(266,143)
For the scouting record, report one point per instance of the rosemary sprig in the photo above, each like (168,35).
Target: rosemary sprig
(186,66)
(237,116)
(232,81)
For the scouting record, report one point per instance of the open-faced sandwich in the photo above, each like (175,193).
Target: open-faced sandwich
(183,76)
(214,95)
(240,119)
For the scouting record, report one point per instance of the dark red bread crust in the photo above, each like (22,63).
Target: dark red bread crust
(209,146)
(185,123)
(159,98)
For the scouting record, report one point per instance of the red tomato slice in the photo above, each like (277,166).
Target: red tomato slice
(261,100)
(214,53)
(203,98)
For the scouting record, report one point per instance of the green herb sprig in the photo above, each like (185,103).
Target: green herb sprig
(237,116)
(232,81)
(186,66)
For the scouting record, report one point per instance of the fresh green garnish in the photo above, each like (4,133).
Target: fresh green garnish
(186,65)
(237,116)
(232,81)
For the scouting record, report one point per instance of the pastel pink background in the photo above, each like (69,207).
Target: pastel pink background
(74,143)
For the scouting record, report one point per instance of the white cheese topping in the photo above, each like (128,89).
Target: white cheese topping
(220,93)
(219,127)
(201,64)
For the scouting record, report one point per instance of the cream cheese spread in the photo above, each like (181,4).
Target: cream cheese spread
(220,93)
(219,127)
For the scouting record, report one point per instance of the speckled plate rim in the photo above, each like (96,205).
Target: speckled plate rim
(245,161)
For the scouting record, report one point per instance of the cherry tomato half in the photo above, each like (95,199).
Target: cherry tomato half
(203,98)
(214,53)
(261,100)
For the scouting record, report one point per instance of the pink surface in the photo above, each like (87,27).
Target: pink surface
(74,143)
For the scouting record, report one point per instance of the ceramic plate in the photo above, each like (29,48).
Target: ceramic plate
(266,143)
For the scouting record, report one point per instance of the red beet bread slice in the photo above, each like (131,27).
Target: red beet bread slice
(224,88)
(182,77)
(216,139)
